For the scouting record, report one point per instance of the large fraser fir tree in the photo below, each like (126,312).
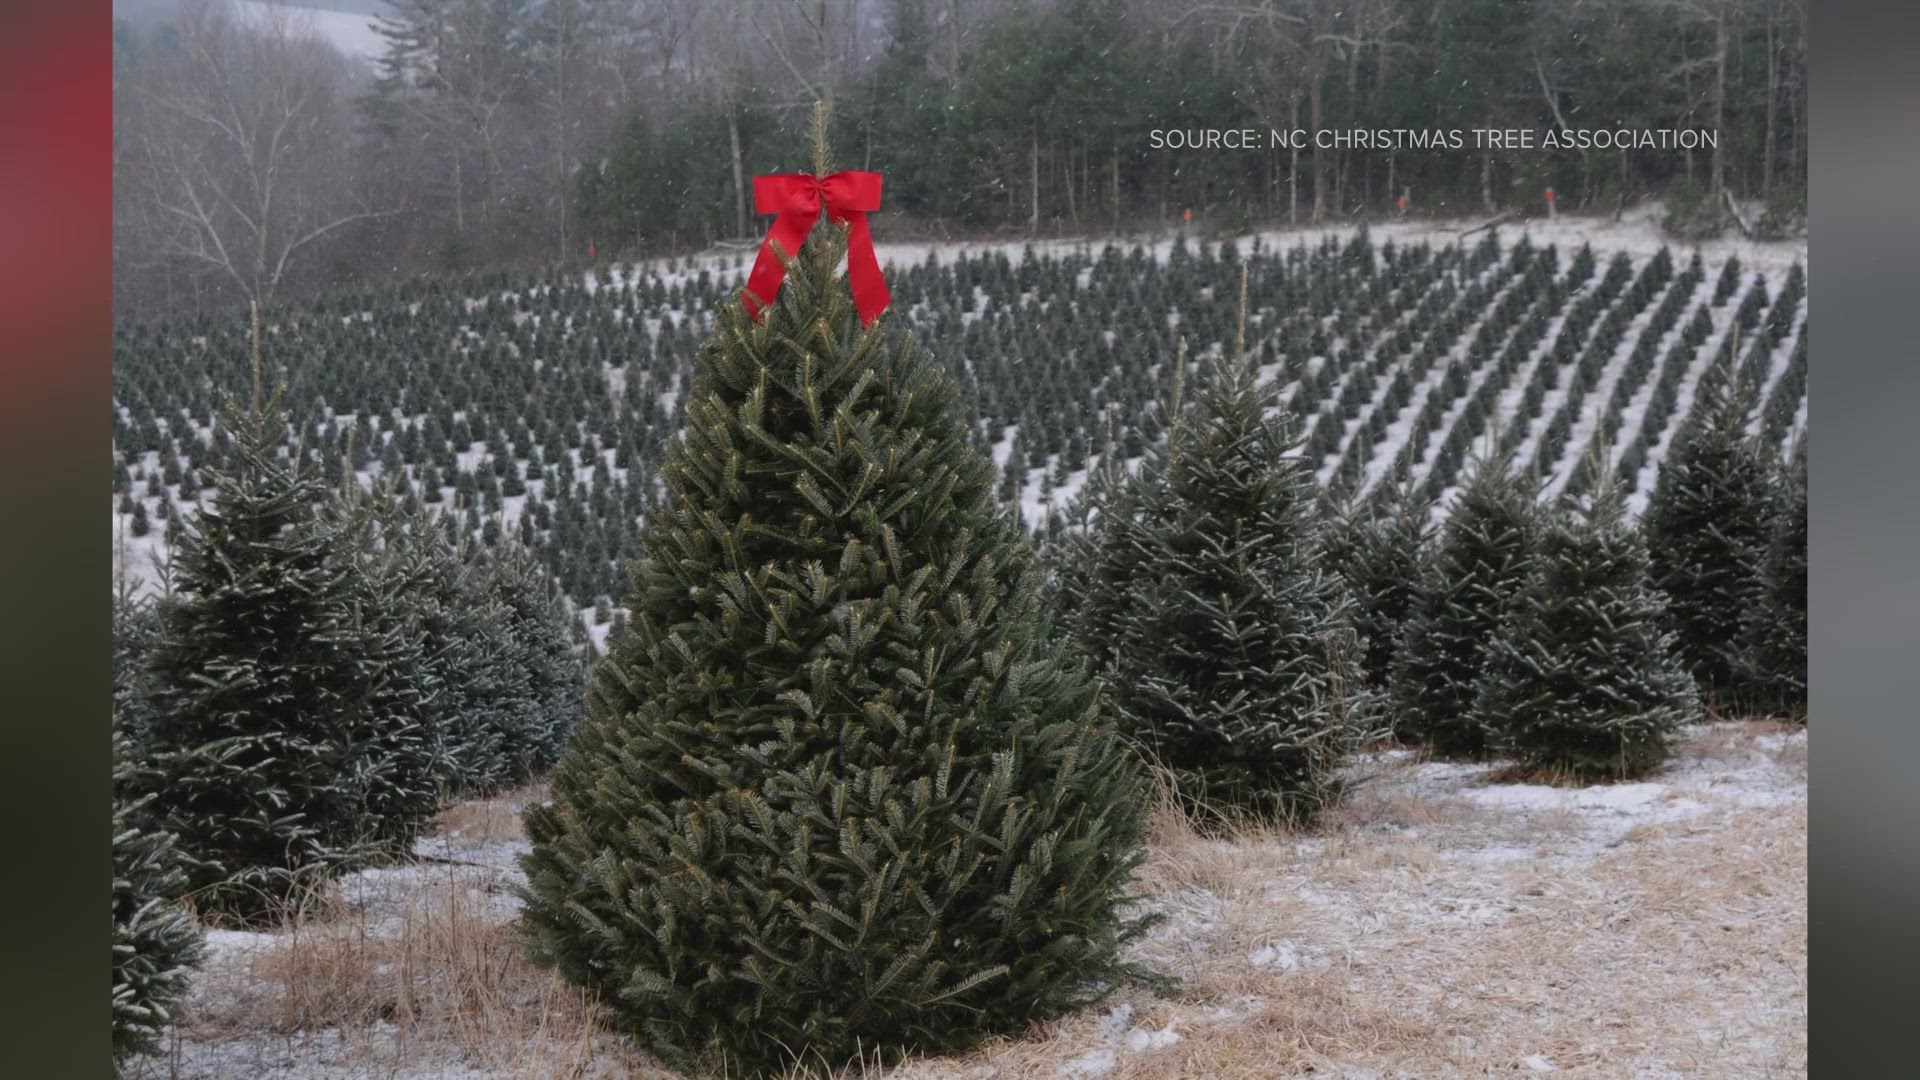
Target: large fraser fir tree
(286,743)
(156,942)
(1466,594)
(836,792)
(1777,628)
(1583,676)
(1709,522)
(1199,589)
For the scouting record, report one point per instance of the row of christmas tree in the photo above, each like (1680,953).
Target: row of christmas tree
(538,405)
(1245,644)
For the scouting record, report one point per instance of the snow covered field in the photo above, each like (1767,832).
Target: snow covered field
(1374,432)
(1444,922)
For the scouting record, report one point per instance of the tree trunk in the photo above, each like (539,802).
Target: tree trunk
(1033,160)
(1621,203)
(1342,199)
(739,175)
(1773,101)
(1073,205)
(1318,164)
(1293,164)
(1717,169)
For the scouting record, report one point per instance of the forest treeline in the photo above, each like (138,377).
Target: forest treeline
(252,159)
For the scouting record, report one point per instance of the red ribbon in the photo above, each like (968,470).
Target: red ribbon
(798,199)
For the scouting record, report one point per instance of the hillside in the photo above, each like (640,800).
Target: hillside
(539,403)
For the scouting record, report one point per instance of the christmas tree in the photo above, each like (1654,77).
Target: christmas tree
(286,744)
(1583,676)
(1382,558)
(538,623)
(835,793)
(1201,594)
(438,597)
(136,624)
(1709,523)
(1482,562)
(1776,634)
(155,941)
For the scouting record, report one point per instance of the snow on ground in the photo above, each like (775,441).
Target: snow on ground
(1443,922)
(1638,233)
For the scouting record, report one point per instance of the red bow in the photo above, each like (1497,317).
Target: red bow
(797,198)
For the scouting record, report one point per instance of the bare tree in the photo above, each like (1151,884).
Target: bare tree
(236,151)
(810,39)
(455,75)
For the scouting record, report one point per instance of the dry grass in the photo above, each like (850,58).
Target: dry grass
(422,975)
(1432,926)
(1420,934)
(490,820)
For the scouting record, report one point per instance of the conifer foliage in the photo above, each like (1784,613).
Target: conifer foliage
(499,684)
(136,623)
(835,792)
(286,744)
(1709,523)
(539,626)
(1199,589)
(1777,631)
(1482,562)
(156,942)
(1583,676)
(1382,558)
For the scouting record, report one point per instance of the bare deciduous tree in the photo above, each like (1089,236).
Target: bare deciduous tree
(237,149)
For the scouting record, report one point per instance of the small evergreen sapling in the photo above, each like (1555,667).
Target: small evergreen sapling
(1467,593)
(1776,635)
(1709,523)
(285,745)
(836,791)
(156,942)
(1583,675)
(537,622)
(1200,592)
(1382,558)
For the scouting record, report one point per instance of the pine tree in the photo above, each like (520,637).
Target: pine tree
(1776,633)
(285,748)
(537,624)
(477,707)
(402,682)
(1466,594)
(835,791)
(136,625)
(1382,558)
(1222,638)
(1708,527)
(1584,675)
(156,942)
